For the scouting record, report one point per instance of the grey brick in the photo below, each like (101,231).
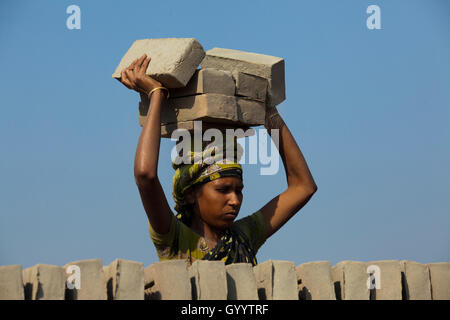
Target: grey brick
(415,280)
(221,110)
(315,281)
(209,106)
(390,280)
(207,81)
(241,282)
(251,86)
(125,280)
(173,60)
(167,280)
(93,282)
(265,66)
(350,280)
(208,279)
(11,282)
(251,112)
(440,280)
(169,128)
(44,282)
(276,280)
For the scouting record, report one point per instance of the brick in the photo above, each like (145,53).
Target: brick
(209,106)
(276,280)
(44,282)
(251,112)
(125,280)
(221,110)
(208,280)
(390,280)
(173,60)
(169,128)
(241,282)
(315,281)
(265,66)
(92,281)
(108,282)
(416,283)
(11,283)
(440,280)
(167,280)
(350,280)
(207,81)
(284,281)
(251,86)
(264,279)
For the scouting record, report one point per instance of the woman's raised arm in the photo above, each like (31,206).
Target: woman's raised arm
(301,185)
(147,152)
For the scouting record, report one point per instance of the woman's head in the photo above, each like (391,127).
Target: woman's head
(216,202)
(196,180)
(208,192)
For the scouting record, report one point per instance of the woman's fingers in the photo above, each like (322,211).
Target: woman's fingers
(130,77)
(139,63)
(132,66)
(124,79)
(145,65)
(134,76)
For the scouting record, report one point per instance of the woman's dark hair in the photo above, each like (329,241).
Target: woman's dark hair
(188,208)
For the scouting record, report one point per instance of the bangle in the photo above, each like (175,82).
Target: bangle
(273,120)
(273,115)
(163,88)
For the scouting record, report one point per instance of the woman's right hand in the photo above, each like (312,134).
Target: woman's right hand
(134,77)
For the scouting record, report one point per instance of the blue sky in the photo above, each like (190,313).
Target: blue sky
(370,110)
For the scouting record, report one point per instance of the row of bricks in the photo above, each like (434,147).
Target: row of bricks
(233,99)
(236,99)
(211,80)
(214,110)
(211,280)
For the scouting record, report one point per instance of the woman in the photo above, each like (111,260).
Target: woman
(208,197)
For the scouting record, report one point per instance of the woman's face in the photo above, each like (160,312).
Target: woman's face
(218,202)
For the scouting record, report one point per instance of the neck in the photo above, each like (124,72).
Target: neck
(206,231)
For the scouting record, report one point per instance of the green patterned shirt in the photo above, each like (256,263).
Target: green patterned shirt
(181,242)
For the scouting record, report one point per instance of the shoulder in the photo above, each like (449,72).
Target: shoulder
(167,238)
(177,229)
(179,242)
(254,228)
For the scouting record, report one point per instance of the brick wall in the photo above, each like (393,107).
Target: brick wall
(203,280)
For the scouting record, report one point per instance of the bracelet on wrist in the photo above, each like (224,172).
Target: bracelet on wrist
(157,88)
(274,121)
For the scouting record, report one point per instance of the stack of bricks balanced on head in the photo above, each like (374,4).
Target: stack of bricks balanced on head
(232,89)
(213,280)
